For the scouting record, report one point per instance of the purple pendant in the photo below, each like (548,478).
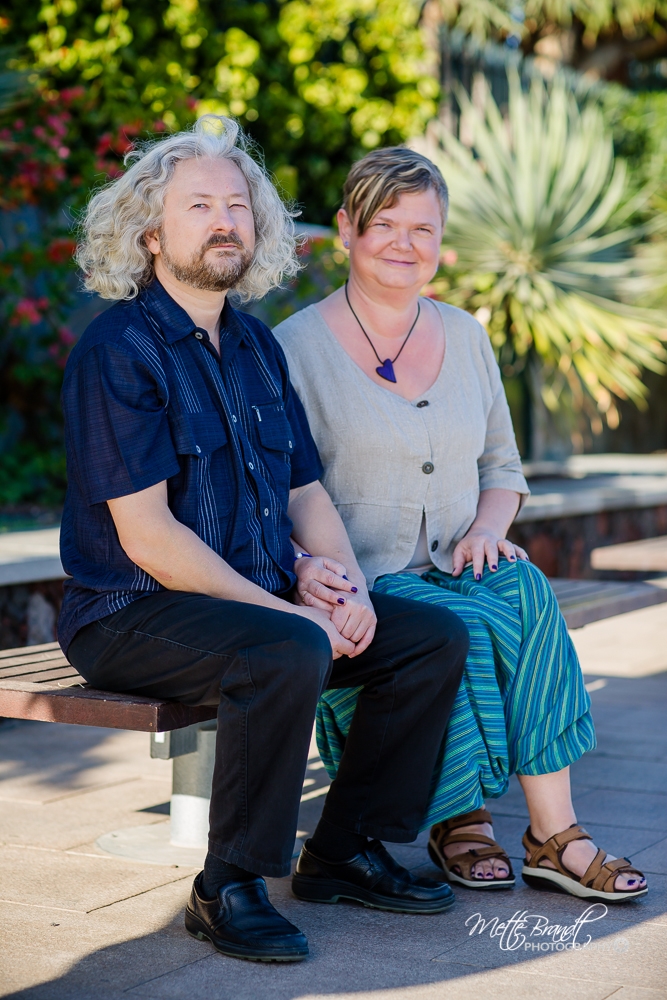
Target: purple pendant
(386,371)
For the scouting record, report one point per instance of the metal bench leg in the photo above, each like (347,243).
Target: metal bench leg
(184,840)
(191,790)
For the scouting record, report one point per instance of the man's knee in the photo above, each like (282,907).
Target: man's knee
(306,647)
(447,629)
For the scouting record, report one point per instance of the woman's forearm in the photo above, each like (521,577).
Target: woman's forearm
(318,528)
(496,511)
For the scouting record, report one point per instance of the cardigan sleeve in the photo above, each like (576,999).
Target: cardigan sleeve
(499,465)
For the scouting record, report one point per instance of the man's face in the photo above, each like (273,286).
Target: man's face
(207,237)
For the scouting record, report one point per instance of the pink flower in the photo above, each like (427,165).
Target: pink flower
(449,258)
(57,124)
(27,311)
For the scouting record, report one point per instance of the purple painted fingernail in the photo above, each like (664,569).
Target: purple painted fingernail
(478,576)
(512,558)
(494,566)
(341,600)
(344,577)
(354,589)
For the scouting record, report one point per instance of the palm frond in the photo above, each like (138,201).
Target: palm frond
(543,224)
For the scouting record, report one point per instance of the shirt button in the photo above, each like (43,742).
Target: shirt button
(266,512)
(198,335)
(434,545)
(422,402)
(290,444)
(428,468)
(198,449)
(233,418)
(251,466)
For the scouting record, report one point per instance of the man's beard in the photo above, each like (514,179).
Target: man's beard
(203,273)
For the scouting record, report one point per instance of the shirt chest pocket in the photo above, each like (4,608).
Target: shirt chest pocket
(202,447)
(198,433)
(273,427)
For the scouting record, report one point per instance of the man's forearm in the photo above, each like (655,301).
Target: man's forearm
(176,557)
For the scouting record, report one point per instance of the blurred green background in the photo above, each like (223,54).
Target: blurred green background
(548,119)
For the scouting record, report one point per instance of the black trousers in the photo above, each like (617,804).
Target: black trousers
(265,670)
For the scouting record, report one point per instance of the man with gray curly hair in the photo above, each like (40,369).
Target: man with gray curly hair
(193,506)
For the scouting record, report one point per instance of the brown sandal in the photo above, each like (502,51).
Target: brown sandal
(598,880)
(441,837)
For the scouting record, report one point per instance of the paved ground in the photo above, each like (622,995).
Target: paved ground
(76,924)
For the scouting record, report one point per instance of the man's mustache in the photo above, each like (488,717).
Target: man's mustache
(221,241)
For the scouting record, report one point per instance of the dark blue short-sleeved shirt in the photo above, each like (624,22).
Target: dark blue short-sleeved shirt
(147,398)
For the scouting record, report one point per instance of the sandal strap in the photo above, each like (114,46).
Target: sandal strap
(552,849)
(462,838)
(467,859)
(600,874)
(465,819)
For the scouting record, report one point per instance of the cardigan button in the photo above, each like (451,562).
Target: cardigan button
(434,545)
(428,468)
(421,403)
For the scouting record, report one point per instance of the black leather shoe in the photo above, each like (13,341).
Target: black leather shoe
(242,923)
(371,877)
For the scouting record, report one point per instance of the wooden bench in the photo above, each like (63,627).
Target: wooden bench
(37,682)
(586,601)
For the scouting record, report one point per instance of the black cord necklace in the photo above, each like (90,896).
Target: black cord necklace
(386,369)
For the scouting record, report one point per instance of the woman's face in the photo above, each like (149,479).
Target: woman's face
(401,246)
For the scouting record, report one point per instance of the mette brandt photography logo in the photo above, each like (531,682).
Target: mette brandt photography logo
(533,932)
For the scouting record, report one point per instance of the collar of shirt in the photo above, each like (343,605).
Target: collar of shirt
(174,323)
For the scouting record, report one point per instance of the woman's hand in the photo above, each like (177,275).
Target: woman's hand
(323,585)
(480,544)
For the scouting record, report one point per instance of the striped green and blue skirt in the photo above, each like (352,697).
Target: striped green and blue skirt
(522,706)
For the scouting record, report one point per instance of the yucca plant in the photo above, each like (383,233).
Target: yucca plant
(543,244)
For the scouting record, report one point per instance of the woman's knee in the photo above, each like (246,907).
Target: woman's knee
(535,579)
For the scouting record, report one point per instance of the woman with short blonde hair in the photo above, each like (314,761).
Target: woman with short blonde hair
(406,404)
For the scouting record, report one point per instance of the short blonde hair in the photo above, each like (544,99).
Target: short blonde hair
(379,179)
(112,253)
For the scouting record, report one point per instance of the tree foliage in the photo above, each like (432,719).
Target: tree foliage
(316,82)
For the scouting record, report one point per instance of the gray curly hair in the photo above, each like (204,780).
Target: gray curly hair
(111,251)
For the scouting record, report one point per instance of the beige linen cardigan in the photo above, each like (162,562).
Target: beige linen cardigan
(390,461)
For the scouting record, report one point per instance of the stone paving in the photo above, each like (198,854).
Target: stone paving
(78,924)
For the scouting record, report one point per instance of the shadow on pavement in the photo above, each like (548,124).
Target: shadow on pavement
(504,946)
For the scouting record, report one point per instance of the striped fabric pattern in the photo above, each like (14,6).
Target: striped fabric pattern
(522,706)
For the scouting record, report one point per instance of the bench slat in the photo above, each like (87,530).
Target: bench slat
(44,647)
(89,707)
(649,555)
(26,660)
(57,675)
(595,600)
(9,673)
